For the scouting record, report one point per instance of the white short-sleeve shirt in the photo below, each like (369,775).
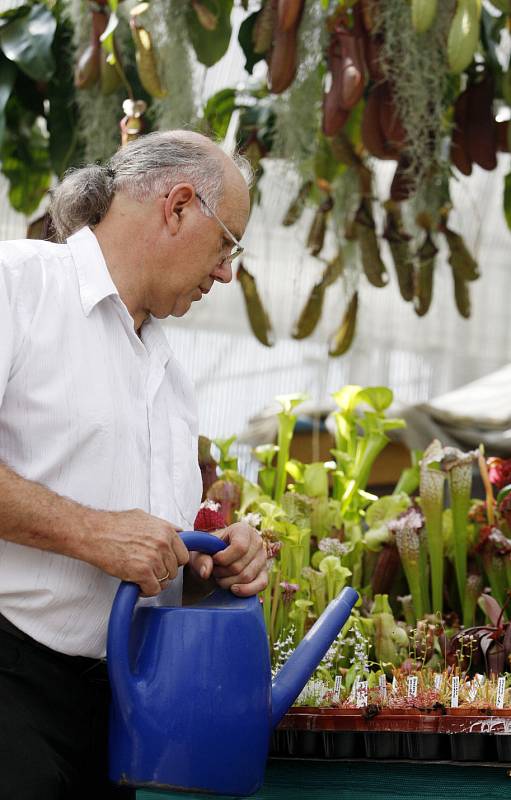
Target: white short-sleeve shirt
(91,411)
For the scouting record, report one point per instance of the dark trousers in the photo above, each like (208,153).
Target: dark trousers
(53,724)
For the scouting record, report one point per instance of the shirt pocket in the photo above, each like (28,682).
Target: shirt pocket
(185,471)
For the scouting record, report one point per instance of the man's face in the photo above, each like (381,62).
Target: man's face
(201,252)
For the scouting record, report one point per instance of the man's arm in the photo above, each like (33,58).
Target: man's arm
(130,545)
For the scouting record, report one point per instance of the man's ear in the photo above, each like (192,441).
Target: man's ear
(177,202)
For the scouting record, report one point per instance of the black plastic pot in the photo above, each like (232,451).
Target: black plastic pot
(383,745)
(309,744)
(472,747)
(503,744)
(427,746)
(342,744)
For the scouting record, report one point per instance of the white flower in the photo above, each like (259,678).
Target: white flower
(211,505)
(252,519)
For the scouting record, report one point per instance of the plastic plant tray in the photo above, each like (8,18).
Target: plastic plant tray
(432,736)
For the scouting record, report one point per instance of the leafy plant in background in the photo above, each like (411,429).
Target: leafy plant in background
(38,115)
(323,530)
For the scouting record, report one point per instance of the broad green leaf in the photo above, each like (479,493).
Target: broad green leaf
(265,453)
(210,46)
(378,397)
(347,397)
(386,509)
(7,77)
(246,43)
(393,424)
(25,164)
(218,111)
(28,42)
(315,479)
(290,401)
(295,469)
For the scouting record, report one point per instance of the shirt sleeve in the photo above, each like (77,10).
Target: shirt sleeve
(6,335)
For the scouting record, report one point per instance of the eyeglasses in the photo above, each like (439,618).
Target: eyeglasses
(237,250)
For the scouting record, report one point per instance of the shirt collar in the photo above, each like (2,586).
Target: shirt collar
(94,279)
(155,341)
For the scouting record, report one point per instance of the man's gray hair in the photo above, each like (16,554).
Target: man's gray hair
(144,169)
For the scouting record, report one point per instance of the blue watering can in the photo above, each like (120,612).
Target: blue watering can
(193,703)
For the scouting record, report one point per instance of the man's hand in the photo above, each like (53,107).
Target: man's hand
(135,546)
(241,567)
(130,545)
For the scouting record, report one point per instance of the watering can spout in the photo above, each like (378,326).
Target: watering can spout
(297,670)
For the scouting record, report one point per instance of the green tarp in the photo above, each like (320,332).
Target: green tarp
(301,780)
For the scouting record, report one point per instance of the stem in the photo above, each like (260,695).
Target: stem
(368,450)
(266,480)
(286,426)
(488,488)
(460,481)
(432,505)
(296,560)
(496,573)
(275,605)
(408,481)
(267,594)
(412,576)
(373,446)
(423,575)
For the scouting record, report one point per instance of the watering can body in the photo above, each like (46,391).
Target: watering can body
(191,691)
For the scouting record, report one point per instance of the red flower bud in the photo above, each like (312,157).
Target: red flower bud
(499,471)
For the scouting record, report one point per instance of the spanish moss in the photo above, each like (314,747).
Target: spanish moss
(416,67)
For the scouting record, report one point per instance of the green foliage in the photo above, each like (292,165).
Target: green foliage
(218,111)
(63,113)
(385,509)
(7,77)
(25,158)
(210,48)
(246,43)
(27,41)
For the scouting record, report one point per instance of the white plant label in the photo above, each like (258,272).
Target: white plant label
(394,685)
(382,685)
(412,685)
(362,693)
(501,686)
(438,681)
(455,691)
(337,687)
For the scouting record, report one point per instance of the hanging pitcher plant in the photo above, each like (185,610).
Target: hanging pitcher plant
(348,83)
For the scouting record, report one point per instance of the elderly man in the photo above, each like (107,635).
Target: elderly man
(98,441)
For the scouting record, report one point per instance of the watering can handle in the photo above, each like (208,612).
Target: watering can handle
(202,542)
(127,593)
(124,603)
